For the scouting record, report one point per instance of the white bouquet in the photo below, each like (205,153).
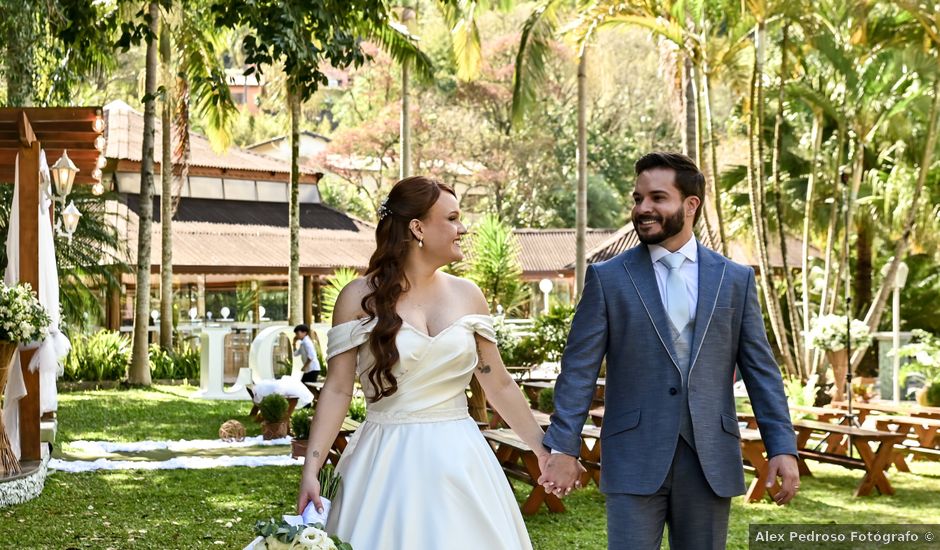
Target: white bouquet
(828,333)
(307,531)
(23,320)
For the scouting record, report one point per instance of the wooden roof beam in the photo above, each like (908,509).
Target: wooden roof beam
(25,130)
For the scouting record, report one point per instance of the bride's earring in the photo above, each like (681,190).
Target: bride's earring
(420,243)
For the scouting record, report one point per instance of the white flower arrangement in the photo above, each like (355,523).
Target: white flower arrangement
(828,333)
(23,319)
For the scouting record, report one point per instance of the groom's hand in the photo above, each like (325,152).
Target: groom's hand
(561,474)
(785,467)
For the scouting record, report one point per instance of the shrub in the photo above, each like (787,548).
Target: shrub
(300,423)
(551,331)
(547,400)
(357,409)
(933,395)
(104,355)
(179,363)
(273,408)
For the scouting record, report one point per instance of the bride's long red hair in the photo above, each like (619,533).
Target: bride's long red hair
(409,199)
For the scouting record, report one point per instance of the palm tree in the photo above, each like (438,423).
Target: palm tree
(195,76)
(139,372)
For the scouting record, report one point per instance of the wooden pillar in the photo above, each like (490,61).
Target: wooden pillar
(113,307)
(308,300)
(29,273)
(201,296)
(317,300)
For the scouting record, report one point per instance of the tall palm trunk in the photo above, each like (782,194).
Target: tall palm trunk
(295,292)
(166,199)
(581,197)
(873,317)
(405,168)
(707,212)
(756,192)
(816,134)
(830,286)
(713,150)
(140,365)
(790,293)
(688,109)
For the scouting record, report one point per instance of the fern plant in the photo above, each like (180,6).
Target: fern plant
(494,264)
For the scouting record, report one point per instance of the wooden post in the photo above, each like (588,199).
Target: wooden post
(317,300)
(29,273)
(308,300)
(113,312)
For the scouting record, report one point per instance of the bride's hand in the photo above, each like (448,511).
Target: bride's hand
(309,492)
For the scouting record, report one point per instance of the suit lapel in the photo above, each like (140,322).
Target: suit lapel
(711,272)
(639,267)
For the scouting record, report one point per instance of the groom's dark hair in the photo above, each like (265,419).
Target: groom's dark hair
(689,180)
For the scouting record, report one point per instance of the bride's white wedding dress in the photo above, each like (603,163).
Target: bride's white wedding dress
(417,474)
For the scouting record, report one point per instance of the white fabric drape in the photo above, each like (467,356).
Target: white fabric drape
(48,358)
(56,346)
(15,387)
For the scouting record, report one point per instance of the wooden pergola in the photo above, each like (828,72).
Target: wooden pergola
(25,132)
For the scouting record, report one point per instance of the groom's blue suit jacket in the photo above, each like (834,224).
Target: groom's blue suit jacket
(621,317)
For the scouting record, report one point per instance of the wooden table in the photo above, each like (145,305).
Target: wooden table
(825,414)
(346,432)
(925,430)
(863,409)
(874,462)
(752,448)
(597,416)
(519,462)
(315,388)
(532,390)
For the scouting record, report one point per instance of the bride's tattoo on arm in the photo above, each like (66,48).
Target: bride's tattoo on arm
(482,366)
(315,454)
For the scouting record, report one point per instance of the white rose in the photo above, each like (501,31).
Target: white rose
(315,539)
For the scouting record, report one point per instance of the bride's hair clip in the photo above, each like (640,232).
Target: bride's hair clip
(384,210)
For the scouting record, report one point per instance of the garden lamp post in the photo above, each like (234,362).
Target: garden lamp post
(63,172)
(70,217)
(546,286)
(900,279)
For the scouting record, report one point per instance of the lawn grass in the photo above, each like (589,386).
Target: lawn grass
(218,507)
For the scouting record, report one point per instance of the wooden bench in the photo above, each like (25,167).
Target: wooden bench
(519,462)
(346,432)
(863,409)
(532,390)
(917,452)
(753,452)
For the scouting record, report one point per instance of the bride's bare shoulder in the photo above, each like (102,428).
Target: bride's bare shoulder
(468,294)
(349,302)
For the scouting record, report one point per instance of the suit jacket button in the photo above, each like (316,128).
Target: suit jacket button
(673,391)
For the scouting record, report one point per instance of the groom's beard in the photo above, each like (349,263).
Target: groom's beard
(671,225)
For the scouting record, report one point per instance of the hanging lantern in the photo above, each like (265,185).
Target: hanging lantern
(97,188)
(63,172)
(70,218)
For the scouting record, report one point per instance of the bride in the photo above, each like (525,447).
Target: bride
(417,474)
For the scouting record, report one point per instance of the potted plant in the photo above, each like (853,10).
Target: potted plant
(829,333)
(274,421)
(923,355)
(300,428)
(23,321)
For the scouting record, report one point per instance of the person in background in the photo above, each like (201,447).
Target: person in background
(308,353)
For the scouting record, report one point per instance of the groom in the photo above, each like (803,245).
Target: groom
(672,319)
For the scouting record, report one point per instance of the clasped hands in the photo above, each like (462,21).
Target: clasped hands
(561,473)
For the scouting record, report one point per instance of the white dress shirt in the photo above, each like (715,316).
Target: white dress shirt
(307,352)
(688,271)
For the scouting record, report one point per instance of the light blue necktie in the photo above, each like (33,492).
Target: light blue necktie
(677,297)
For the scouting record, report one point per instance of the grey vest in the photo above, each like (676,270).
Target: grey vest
(682,342)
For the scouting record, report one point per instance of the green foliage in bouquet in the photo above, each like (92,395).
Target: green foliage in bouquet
(283,535)
(104,355)
(300,423)
(357,409)
(329,481)
(273,408)
(22,318)
(547,400)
